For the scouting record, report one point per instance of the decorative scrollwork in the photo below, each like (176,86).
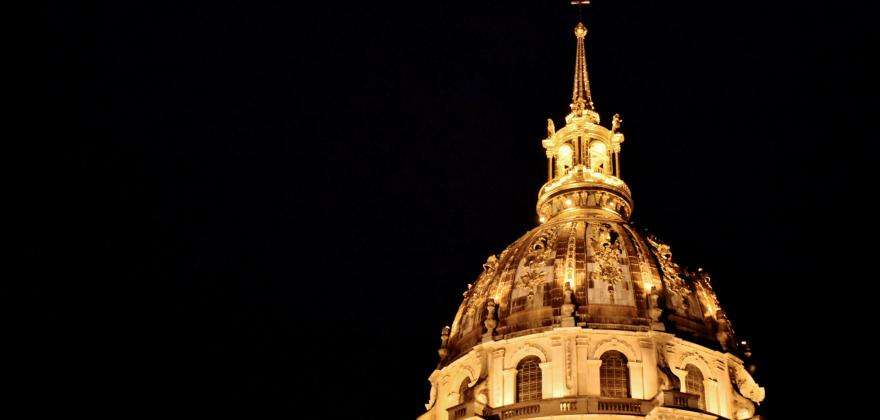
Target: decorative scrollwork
(531,278)
(606,248)
(745,384)
(671,271)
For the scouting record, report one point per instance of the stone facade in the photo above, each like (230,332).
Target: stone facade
(570,358)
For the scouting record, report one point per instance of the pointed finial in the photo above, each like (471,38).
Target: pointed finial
(581,98)
(580,31)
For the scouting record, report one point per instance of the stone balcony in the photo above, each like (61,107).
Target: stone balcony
(576,405)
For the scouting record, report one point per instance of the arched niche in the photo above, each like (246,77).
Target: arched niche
(619,345)
(511,359)
(599,157)
(564,159)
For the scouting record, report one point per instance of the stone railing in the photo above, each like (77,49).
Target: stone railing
(619,406)
(578,405)
(679,399)
(467,410)
(521,411)
(574,405)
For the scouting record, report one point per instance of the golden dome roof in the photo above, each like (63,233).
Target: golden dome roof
(611,275)
(585,265)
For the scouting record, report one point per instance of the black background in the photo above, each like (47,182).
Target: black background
(275,207)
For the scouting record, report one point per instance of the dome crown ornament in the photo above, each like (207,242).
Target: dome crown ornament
(581,99)
(583,168)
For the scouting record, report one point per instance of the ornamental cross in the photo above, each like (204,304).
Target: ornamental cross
(580,5)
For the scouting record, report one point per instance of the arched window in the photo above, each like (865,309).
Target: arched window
(564,159)
(599,159)
(528,379)
(694,383)
(464,391)
(614,375)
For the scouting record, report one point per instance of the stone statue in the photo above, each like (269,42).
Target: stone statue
(551,128)
(615,123)
(567,310)
(490,323)
(444,338)
(491,264)
(568,292)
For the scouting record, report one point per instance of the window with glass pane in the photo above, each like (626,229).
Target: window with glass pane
(528,379)
(614,375)
(694,383)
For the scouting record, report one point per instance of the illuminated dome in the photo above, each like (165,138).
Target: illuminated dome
(589,270)
(584,316)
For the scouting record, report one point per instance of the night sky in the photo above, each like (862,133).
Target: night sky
(275,208)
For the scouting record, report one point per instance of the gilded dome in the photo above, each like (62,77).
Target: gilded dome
(613,277)
(585,264)
(586,316)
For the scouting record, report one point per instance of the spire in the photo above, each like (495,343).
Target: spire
(581,100)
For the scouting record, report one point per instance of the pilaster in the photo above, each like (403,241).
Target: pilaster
(636,381)
(591,367)
(496,379)
(509,393)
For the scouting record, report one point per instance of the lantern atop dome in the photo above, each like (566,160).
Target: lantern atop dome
(583,157)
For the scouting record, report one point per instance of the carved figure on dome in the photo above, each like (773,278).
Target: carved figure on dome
(654,301)
(668,268)
(444,338)
(490,323)
(551,128)
(567,293)
(615,123)
(606,249)
(491,265)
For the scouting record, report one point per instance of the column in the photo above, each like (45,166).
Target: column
(509,386)
(496,378)
(649,369)
(636,382)
(593,385)
(549,380)
(724,389)
(710,389)
(682,377)
(582,356)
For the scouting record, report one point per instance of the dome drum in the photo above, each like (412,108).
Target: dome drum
(582,190)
